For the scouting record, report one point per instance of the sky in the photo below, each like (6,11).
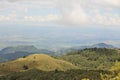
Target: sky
(96,19)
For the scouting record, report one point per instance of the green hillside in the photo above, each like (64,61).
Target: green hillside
(35,74)
(35,61)
(93,58)
(115,69)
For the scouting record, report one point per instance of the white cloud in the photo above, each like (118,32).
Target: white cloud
(12,17)
(4,18)
(115,3)
(48,18)
(4,4)
(105,18)
(78,12)
(71,12)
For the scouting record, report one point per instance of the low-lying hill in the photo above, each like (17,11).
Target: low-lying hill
(93,58)
(37,61)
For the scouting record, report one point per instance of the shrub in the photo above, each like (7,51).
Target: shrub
(25,67)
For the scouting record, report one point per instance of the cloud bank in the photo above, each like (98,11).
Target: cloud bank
(65,12)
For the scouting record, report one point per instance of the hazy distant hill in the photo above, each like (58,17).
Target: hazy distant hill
(9,50)
(10,53)
(102,45)
(99,45)
(30,49)
(35,61)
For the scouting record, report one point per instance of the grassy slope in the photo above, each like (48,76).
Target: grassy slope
(37,61)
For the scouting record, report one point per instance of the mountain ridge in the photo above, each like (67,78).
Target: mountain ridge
(11,53)
(102,45)
(98,45)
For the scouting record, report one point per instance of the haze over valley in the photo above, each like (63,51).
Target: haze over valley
(56,37)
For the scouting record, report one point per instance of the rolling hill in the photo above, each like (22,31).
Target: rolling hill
(86,64)
(35,61)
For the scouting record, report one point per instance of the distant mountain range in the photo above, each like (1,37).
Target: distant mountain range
(99,45)
(102,45)
(10,53)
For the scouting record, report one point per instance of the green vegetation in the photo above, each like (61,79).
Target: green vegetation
(35,74)
(93,58)
(115,73)
(116,70)
(116,67)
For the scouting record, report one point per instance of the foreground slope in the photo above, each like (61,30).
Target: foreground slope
(36,61)
(35,74)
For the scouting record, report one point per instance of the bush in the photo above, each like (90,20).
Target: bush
(25,67)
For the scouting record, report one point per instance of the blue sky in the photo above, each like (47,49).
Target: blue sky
(91,21)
